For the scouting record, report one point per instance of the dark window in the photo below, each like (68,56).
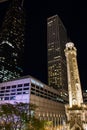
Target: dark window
(19,93)
(2,88)
(19,85)
(7,90)
(14,86)
(32,92)
(41,89)
(33,85)
(37,87)
(1,91)
(45,90)
(33,89)
(1,98)
(19,89)
(7,87)
(25,92)
(13,90)
(12,98)
(26,84)
(12,93)
(1,94)
(25,88)
(37,91)
(6,98)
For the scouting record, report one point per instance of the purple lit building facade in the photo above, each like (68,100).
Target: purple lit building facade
(30,90)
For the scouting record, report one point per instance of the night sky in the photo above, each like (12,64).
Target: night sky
(74,17)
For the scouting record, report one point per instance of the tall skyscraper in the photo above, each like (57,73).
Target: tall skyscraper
(76,110)
(56,40)
(12,42)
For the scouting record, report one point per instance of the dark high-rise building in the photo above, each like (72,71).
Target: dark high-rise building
(56,40)
(12,42)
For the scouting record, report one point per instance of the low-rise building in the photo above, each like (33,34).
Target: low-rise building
(50,105)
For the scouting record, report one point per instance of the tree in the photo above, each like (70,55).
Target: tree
(13,116)
(7,116)
(18,116)
(36,124)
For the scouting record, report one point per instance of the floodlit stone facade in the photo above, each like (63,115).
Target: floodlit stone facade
(76,111)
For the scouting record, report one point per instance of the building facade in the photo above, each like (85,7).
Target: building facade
(12,42)
(76,110)
(56,40)
(27,89)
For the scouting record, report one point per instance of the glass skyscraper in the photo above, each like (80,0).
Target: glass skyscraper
(12,42)
(56,40)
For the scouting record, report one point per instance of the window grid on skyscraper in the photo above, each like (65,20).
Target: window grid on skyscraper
(56,40)
(12,42)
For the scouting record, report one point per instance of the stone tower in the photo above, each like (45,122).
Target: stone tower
(76,111)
